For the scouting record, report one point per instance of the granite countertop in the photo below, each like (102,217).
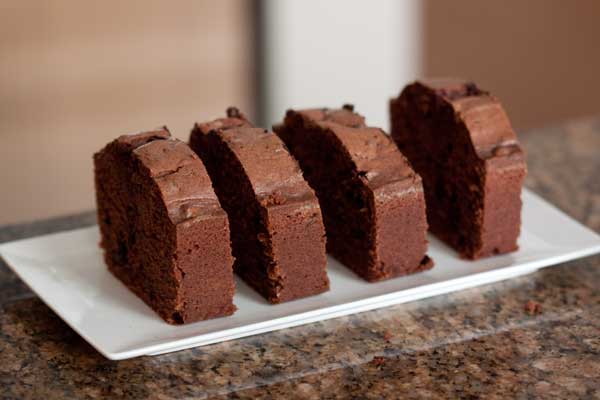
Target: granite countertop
(481,342)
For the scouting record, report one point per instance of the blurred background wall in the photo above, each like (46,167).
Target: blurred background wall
(540,57)
(76,74)
(73,75)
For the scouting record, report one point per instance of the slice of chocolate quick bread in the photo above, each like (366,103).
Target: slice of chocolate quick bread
(372,201)
(164,233)
(276,227)
(460,141)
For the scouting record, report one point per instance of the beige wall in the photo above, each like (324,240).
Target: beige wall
(541,57)
(74,75)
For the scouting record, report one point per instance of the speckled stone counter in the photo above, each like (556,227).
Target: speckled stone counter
(476,343)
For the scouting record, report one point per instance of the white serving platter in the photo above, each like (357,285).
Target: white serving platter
(67,272)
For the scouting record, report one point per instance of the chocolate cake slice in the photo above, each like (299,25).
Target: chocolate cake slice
(460,141)
(372,201)
(164,233)
(276,227)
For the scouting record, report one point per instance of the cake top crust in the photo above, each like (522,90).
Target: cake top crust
(135,140)
(453,88)
(179,174)
(274,174)
(375,156)
(482,114)
(234,119)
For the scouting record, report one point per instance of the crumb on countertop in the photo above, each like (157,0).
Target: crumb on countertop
(387,336)
(533,307)
(378,361)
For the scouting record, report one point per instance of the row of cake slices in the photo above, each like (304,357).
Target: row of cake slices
(177,220)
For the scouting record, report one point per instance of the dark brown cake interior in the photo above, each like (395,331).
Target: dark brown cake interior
(372,202)
(162,227)
(428,127)
(448,167)
(253,255)
(130,208)
(276,226)
(346,202)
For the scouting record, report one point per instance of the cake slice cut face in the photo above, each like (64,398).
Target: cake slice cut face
(460,140)
(372,201)
(164,233)
(276,226)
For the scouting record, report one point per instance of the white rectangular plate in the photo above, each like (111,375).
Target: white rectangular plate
(67,271)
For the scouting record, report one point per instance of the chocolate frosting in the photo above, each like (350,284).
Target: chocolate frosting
(178,172)
(490,130)
(375,155)
(275,176)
